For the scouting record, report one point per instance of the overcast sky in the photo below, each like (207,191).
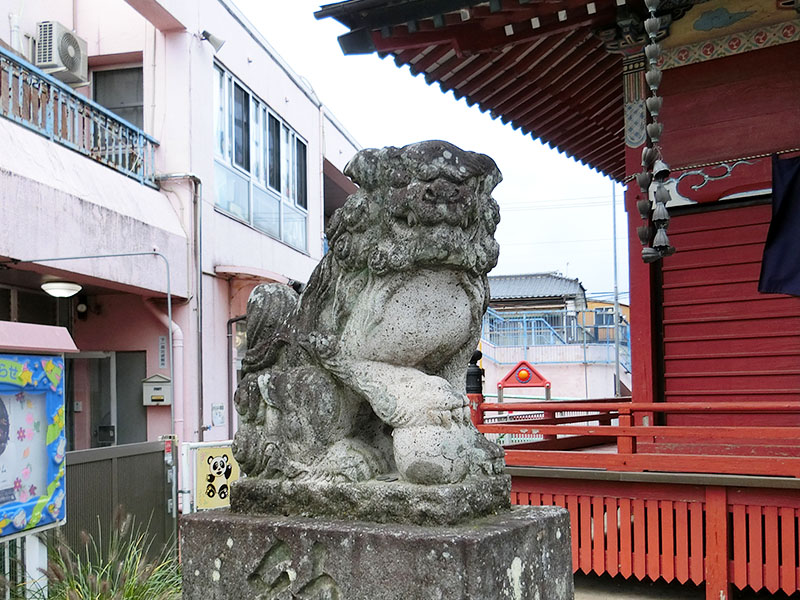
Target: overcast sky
(556,214)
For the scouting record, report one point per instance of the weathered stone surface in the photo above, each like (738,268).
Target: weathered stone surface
(377,501)
(363,375)
(523,554)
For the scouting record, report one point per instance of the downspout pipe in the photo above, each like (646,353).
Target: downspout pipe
(197,216)
(176,334)
(13,25)
(230,371)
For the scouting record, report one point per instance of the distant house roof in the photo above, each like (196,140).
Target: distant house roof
(535,285)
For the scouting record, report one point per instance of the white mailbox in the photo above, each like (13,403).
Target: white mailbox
(157,390)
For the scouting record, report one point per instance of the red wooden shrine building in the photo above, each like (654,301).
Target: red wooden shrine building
(702,482)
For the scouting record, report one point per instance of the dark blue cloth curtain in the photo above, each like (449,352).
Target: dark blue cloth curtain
(780,267)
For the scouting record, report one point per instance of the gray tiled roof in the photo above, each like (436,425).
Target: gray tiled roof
(535,285)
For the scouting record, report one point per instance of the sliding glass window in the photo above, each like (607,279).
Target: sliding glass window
(261,164)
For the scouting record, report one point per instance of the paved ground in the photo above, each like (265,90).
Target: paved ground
(607,588)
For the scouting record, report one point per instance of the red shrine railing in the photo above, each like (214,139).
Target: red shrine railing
(636,445)
(715,505)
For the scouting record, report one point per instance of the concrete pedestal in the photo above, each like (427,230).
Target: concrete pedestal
(522,554)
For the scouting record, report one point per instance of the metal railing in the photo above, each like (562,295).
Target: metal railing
(32,98)
(529,329)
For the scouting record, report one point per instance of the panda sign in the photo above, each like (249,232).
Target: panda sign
(216,469)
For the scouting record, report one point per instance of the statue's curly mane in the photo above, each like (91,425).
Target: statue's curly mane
(426,204)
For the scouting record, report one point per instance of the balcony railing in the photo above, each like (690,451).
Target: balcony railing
(561,335)
(34,99)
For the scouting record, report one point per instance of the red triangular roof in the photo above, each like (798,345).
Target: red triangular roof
(517,377)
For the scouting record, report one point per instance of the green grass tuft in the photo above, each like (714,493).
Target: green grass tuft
(126,567)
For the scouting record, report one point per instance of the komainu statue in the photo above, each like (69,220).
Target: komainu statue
(362,375)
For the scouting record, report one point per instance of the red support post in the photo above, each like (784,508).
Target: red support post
(625,444)
(475,412)
(718,585)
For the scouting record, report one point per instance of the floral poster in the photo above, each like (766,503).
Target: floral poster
(32,442)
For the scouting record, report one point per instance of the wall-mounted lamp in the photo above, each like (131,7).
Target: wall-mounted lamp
(215,42)
(61,289)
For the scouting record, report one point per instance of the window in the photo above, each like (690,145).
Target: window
(604,316)
(261,166)
(122,92)
(241,127)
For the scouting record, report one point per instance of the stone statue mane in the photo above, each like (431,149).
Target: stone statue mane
(362,376)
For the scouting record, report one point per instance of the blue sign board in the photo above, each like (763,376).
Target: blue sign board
(32,442)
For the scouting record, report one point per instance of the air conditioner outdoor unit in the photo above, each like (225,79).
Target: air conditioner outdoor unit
(62,54)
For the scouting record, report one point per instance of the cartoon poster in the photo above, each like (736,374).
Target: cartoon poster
(32,442)
(215,470)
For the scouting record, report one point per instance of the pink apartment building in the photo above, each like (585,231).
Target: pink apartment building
(126,129)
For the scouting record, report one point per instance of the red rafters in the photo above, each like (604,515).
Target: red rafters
(555,82)
(429,59)
(503,65)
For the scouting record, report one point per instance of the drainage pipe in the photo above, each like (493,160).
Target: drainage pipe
(197,216)
(176,364)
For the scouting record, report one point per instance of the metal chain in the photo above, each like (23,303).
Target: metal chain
(722,162)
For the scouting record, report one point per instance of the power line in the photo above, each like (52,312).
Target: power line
(538,243)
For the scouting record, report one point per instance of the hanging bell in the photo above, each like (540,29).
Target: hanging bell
(652,5)
(652,26)
(653,52)
(645,233)
(643,179)
(649,155)
(660,170)
(662,194)
(661,240)
(643,207)
(653,78)
(650,255)
(654,130)
(660,216)
(654,104)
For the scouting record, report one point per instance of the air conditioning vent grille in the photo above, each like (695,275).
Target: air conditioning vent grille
(69,52)
(44,47)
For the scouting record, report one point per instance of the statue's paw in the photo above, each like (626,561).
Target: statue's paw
(487,457)
(447,417)
(349,461)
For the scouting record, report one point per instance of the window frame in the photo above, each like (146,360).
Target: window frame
(264,164)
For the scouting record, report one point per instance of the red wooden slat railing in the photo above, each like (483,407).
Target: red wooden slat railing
(667,544)
(584,502)
(740,545)
(612,529)
(639,539)
(789,541)
(771,558)
(696,551)
(598,535)
(756,561)
(572,507)
(747,539)
(625,538)
(681,541)
(653,543)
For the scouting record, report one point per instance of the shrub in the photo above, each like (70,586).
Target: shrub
(126,568)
